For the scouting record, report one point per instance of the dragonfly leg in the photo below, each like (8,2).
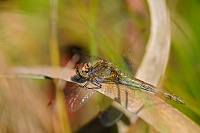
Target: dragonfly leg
(86,84)
(96,83)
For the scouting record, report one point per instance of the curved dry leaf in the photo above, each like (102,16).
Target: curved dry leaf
(163,117)
(157,51)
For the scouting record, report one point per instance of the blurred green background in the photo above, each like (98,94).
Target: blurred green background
(107,29)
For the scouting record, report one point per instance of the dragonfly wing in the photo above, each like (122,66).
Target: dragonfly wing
(88,58)
(77,96)
(125,95)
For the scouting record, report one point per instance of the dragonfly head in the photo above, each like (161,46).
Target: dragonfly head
(83,69)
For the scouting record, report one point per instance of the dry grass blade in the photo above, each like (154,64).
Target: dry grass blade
(162,117)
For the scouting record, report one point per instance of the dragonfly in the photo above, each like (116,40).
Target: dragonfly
(103,71)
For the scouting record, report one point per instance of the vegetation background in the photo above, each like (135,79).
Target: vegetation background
(104,28)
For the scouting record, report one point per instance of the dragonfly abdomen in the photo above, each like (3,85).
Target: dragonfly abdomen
(134,82)
(174,98)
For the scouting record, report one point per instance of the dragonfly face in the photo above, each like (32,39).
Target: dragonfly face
(83,70)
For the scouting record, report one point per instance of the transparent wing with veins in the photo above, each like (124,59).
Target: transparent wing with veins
(76,96)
